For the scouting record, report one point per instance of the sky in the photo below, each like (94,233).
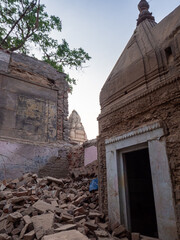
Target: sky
(102,28)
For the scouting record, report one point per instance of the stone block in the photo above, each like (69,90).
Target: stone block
(119,231)
(44,221)
(66,227)
(43,207)
(4,236)
(14,217)
(101,233)
(135,236)
(29,236)
(91,226)
(66,235)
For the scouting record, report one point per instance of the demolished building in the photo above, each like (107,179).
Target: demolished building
(139,131)
(33,117)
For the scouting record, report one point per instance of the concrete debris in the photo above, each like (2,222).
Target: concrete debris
(33,208)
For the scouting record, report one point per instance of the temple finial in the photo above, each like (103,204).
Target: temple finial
(143,7)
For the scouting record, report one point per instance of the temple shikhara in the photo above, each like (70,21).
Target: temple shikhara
(139,124)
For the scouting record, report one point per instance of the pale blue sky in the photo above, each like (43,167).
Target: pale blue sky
(102,28)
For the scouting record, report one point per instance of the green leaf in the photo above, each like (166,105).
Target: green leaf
(24,23)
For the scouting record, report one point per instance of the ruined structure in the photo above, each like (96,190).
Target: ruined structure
(139,125)
(83,159)
(33,115)
(77,133)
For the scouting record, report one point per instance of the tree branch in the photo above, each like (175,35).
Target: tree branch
(28,35)
(31,6)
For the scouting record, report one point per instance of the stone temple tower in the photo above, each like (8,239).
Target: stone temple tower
(139,131)
(77,133)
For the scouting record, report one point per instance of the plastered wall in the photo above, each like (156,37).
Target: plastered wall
(27,111)
(33,117)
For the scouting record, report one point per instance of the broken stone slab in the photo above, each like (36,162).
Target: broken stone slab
(66,217)
(92,205)
(24,182)
(28,211)
(82,230)
(2,187)
(81,222)
(44,221)
(103,226)
(80,217)
(27,219)
(23,231)
(148,238)
(14,217)
(62,206)
(2,204)
(124,238)
(66,235)
(29,236)
(40,233)
(54,203)
(16,200)
(79,200)
(28,226)
(15,237)
(15,181)
(101,233)
(65,228)
(43,207)
(70,197)
(56,180)
(91,226)
(119,231)
(16,231)
(4,236)
(5,195)
(135,236)
(7,208)
(9,227)
(80,211)
(106,238)
(94,214)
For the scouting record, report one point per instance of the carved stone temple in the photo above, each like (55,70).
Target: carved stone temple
(76,130)
(139,130)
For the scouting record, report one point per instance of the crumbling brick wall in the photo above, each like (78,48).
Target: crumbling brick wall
(76,157)
(33,113)
(57,167)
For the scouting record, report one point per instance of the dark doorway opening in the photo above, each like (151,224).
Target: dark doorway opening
(140,197)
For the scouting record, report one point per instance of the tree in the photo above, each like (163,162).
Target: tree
(24,23)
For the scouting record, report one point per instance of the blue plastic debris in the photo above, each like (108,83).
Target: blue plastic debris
(93,185)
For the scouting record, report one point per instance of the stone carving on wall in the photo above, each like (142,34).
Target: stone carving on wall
(77,133)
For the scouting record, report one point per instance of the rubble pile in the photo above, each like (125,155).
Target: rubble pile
(90,171)
(53,209)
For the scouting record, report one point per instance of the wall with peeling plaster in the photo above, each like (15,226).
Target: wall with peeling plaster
(19,158)
(33,115)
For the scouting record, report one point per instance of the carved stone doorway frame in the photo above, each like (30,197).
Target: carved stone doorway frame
(151,137)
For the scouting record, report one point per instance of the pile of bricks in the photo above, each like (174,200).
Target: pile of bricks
(53,209)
